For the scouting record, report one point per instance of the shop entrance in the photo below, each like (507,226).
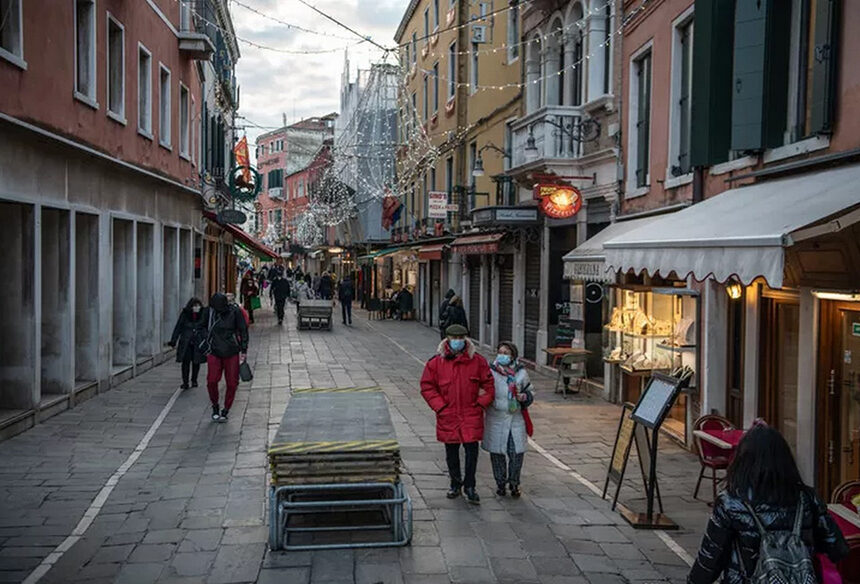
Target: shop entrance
(780,337)
(475,296)
(532,300)
(839,395)
(506,297)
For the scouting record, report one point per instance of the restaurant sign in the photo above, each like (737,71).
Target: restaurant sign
(505,215)
(558,201)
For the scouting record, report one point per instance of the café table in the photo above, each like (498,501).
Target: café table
(846,518)
(558,352)
(725,439)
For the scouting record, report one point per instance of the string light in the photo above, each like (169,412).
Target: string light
(282,22)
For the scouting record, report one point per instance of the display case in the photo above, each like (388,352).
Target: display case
(654,329)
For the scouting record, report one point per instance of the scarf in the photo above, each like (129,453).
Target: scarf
(510,374)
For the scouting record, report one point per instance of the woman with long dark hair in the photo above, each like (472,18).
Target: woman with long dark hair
(189,331)
(763,485)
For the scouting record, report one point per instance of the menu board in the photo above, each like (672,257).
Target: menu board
(622,445)
(656,400)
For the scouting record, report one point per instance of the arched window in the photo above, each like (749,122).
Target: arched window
(576,54)
(555,59)
(599,50)
(534,85)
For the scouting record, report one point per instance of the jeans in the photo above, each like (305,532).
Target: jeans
(279,308)
(189,364)
(230,367)
(452,457)
(507,471)
(346,311)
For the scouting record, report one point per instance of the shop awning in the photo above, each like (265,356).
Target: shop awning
(244,240)
(588,261)
(431,252)
(478,244)
(744,231)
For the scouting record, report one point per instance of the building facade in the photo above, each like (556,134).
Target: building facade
(100,203)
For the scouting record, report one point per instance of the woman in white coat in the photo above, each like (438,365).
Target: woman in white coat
(508,425)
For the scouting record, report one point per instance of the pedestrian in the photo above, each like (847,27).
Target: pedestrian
(231,300)
(405,302)
(443,311)
(325,286)
(508,425)
(456,313)
(457,385)
(345,295)
(280,293)
(764,490)
(228,345)
(189,332)
(249,292)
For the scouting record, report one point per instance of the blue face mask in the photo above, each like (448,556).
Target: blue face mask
(503,360)
(457,345)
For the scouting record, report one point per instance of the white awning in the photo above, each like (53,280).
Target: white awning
(588,262)
(743,231)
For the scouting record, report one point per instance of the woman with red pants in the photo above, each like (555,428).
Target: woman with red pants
(228,344)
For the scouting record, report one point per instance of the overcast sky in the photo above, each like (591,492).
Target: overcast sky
(300,86)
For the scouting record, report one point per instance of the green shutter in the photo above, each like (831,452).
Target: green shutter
(711,108)
(643,123)
(824,60)
(749,74)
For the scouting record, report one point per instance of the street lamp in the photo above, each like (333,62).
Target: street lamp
(478,166)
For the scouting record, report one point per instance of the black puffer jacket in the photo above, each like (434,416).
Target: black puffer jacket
(189,331)
(228,331)
(732,528)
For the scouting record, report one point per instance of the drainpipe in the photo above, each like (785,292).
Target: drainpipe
(698,184)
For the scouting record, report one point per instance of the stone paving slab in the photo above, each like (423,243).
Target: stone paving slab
(193,506)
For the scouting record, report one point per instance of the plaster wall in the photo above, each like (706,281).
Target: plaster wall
(56,356)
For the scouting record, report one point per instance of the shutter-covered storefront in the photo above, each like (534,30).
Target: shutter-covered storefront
(435,296)
(506,298)
(532,300)
(475,295)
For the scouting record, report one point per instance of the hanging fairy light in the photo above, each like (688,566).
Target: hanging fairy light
(308,230)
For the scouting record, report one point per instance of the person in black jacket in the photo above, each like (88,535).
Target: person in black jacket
(189,331)
(443,312)
(228,341)
(764,476)
(280,293)
(456,313)
(324,286)
(346,294)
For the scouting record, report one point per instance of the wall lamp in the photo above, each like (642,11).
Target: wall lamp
(478,167)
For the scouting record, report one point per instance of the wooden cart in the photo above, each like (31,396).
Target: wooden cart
(315,314)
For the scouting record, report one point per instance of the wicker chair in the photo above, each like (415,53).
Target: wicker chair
(710,456)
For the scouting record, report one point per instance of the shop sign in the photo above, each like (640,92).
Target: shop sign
(586,270)
(516,215)
(558,201)
(482,216)
(437,204)
(231,216)
(855,329)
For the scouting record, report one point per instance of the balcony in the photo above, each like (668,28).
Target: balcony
(552,143)
(198,28)
(276,193)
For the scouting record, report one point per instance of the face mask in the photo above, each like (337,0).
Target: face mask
(457,345)
(503,360)
(196,308)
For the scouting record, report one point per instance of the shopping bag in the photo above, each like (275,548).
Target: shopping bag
(256,303)
(245,373)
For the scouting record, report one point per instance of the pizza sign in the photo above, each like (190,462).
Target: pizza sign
(558,201)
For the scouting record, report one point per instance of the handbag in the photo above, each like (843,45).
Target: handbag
(256,304)
(245,373)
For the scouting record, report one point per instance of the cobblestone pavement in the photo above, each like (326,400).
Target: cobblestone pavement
(186,503)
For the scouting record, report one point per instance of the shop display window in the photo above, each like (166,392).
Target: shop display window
(653,329)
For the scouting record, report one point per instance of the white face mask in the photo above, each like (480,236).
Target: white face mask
(196,308)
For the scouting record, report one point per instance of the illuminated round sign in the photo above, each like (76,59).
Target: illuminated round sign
(559,201)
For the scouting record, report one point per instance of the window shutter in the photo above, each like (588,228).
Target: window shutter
(643,124)
(712,91)
(749,74)
(824,62)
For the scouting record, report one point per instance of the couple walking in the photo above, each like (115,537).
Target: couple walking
(475,401)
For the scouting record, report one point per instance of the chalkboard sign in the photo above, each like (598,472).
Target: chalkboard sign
(656,400)
(623,440)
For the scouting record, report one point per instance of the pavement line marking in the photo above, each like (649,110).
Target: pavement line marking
(96,506)
(665,537)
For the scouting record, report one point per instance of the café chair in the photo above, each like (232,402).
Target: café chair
(849,568)
(845,492)
(571,366)
(711,457)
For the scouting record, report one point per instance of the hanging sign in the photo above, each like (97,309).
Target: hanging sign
(437,204)
(558,201)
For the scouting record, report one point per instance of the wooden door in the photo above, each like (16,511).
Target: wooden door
(780,343)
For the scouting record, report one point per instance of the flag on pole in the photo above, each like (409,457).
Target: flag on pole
(243,159)
(391,209)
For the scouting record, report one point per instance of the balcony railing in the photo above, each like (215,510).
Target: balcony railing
(551,141)
(198,28)
(276,193)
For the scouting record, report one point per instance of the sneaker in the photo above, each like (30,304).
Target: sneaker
(193,384)
(223,417)
(500,491)
(216,415)
(515,491)
(453,493)
(472,496)
(183,386)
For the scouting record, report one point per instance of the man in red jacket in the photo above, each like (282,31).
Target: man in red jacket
(457,384)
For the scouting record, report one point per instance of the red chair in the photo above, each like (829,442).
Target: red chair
(845,492)
(711,456)
(849,568)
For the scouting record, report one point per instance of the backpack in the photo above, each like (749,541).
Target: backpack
(783,558)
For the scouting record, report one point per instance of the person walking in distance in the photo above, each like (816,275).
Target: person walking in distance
(457,385)
(280,293)
(231,300)
(249,291)
(345,295)
(324,287)
(228,345)
(508,424)
(189,332)
(443,312)
(456,313)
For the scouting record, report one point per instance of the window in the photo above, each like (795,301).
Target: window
(474,78)
(426,97)
(449,175)
(436,14)
(640,109)
(144,91)
(514,30)
(414,48)
(85,51)
(407,61)
(11,37)
(607,49)
(184,15)
(682,82)
(184,121)
(433,179)
(473,155)
(452,71)
(116,69)
(509,143)
(426,26)
(435,88)
(164,106)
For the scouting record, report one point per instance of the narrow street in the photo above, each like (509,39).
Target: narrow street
(138,485)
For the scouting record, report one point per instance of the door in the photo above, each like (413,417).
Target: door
(532,300)
(435,298)
(506,298)
(848,378)
(475,296)
(735,362)
(780,335)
